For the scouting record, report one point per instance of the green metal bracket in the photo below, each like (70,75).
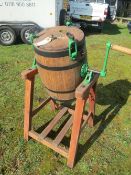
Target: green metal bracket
(85,73)
(84,70)
(32,37)
(73,50)
(34,65)
(88,78)
(103,72)
(68,23)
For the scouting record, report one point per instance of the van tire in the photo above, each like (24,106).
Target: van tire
(100,27)
(99,30)
(25,32)
(7,36)
(62,17)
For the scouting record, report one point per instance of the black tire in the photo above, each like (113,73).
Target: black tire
(62,17)
(7,36)
(100,27)
(99,30)
(25,33)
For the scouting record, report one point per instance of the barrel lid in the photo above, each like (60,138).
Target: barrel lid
(56,40)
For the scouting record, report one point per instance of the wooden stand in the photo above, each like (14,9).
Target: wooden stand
(77,120)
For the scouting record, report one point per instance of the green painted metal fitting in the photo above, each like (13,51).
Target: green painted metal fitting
(32,37)
(68,23)
(73,50)
(84,70)
(72,54)
(88,78)
(34,65)
(103,72)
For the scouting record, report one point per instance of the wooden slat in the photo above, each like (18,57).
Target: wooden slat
(71,111)
(62,133)
(29,74)
(29,92)
(35,111)
(48,143)
(46,131)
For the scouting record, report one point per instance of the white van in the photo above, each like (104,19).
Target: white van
(89,12)
(113,4)
(18,17)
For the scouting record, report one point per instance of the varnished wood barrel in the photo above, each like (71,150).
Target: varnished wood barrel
(59,74)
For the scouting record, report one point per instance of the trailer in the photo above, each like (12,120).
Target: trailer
(21,17)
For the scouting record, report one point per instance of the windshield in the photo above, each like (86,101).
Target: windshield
(88,1)
(101,1)
(111,2)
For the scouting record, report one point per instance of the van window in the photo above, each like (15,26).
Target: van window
(92,0)
(88,1)
(101,1)
(111,2)
(107,1)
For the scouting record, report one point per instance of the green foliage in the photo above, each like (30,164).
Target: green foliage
(104,149)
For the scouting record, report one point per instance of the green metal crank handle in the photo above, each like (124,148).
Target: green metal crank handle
(104,69)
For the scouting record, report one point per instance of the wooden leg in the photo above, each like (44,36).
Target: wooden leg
(29,90)
(92,98)
(78,115)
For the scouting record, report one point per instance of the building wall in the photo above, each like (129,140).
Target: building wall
(129,9)
(124,8)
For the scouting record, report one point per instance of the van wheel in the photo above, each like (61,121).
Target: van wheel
(99,30)
(7,36)
(62,17)
(100,27)
(25,34)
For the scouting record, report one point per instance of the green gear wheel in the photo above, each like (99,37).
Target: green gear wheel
(84,70)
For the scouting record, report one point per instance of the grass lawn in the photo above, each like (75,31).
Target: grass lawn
(105,149)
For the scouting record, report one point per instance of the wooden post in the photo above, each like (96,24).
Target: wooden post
(29,77)
(77,121)
(29,90)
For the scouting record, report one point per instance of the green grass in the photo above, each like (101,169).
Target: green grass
(105,149)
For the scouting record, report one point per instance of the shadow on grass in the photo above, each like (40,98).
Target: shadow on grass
(115,95)
(109,29)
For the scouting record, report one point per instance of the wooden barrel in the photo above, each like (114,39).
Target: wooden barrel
(59,74)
